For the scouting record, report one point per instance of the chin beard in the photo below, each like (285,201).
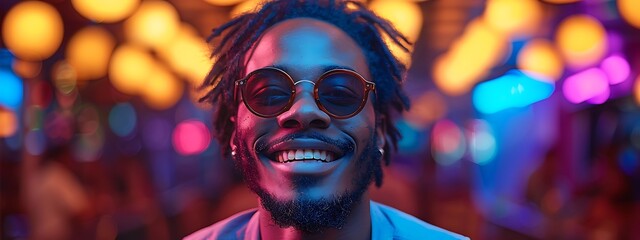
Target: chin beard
(312,215)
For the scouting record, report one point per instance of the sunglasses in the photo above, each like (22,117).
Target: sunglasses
(269,92)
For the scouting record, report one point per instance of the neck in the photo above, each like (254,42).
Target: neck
(357,226)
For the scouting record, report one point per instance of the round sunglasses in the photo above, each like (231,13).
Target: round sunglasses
(269,92)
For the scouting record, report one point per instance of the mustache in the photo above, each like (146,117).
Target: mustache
(344,145)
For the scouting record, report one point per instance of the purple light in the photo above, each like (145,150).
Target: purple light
(585,85)
(616,68)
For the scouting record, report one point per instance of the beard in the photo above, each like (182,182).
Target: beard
(312,215)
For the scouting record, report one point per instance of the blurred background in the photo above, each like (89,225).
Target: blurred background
(525,119)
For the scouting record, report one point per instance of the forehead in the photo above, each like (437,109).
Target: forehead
(305,47)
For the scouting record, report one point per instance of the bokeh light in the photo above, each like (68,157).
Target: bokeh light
(245,7)
(8,123)
(581,40)
(32,30)
(447,142)
(482,143)
(513,18)
(191,137)
(154,24)
(26,69)
(89,51)
(35,142)
(629,11)
(469,58)
(636,90)
(188,55)
(540,56)
(224,2)
(130,68)
(122,119)
(90,138)
(162,90)
(406,17)
(11,92)
(617,69)
(64,77)
(105,11)
(512,90)
(426,109)
(585,85)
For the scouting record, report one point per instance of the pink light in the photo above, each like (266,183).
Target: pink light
(585,85)
(616,68)
(191,137)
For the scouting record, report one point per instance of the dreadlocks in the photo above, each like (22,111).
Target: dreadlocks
(358,22)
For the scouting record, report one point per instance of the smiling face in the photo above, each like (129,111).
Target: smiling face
(303,155)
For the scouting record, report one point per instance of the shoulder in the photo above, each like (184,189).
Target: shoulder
(406,226)
(230,228)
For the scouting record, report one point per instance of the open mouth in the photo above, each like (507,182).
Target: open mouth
(286,156)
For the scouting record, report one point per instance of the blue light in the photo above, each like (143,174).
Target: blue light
(122,119)
(10,89)
(512,90)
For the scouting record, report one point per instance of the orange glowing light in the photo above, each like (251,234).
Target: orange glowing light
(130,68)
(540,56)
(188,55)
(154,24)
(426,109)
(26,69)
(561,1)
(105,11)
(223,2)
(32,30)
(582,40)
(247,6)
(162,90)
(406,17)
(89,51)
(636,90)
(8,123)
(513,18)
(629,11)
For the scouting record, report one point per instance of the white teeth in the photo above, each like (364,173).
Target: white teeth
(302,154)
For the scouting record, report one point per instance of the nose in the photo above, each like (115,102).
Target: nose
(304,113)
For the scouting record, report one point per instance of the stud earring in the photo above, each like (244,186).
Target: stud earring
(233,151)
(381,151)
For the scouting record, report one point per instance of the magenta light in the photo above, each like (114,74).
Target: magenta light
(191,137)
(585,85)
(616,68)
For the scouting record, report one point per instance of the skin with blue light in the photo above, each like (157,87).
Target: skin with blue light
(305,48)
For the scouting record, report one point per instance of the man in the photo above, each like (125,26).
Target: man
(305,92)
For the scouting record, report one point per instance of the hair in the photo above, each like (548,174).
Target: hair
(240,34)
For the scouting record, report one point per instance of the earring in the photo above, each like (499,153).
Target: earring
(381,151)
(233,151)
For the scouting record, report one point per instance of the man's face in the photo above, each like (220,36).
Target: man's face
(305,49)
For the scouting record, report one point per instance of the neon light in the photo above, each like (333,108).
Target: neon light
(617,69)
(585,85)
(512,90)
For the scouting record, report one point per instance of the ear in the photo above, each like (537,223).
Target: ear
(381,138)
(232,138)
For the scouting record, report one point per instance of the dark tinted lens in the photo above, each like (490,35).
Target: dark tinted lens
(267,91)
(341,93)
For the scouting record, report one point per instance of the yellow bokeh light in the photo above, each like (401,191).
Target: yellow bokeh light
(188,55)
(130,68)
(154,24)
(8,123)
(162,90)
(105,11)
(629,11)
(245,7)
(540,56)
(32,30)
(406,17)
(514,18)
(581,40)
(470,58)
(89,51)
(223,2)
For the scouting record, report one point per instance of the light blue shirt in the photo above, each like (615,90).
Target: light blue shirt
(386,223)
